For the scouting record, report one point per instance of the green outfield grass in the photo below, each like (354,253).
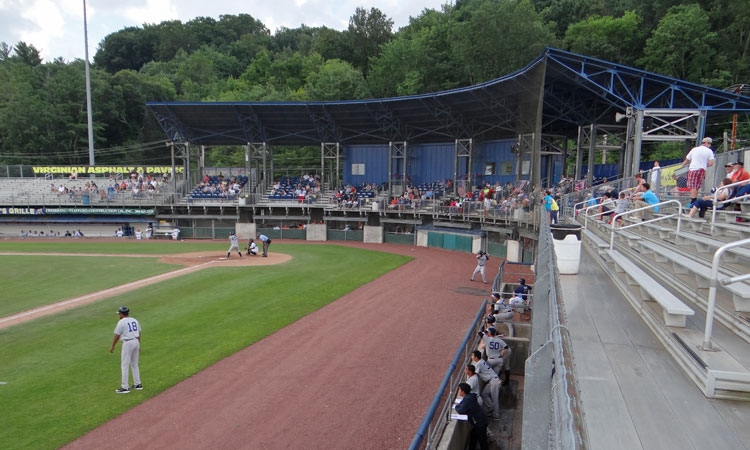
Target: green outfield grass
(61,377)
(32,281)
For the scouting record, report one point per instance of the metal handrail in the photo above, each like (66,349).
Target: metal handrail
(617,216)
(729,200)
(586,215)
(585,201)
(712,289)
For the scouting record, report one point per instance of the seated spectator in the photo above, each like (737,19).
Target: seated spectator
(680,185)
(643,199)
(701,205)
(621,205)
(739,173)
(606,206)
(67,233)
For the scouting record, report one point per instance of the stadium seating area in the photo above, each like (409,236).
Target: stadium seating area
(216,187)
(305,189)
(84,191)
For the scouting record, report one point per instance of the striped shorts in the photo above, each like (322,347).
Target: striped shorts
(695,178)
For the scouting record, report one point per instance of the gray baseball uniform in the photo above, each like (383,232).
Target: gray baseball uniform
(481,259)
(494,347)
(129,331)
(491,391)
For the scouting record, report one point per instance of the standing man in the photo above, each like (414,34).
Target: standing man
(655,178)
(491,390)
(482,258)
(128,330)
(495,348)
(234,244)
(700,158)
(477,418)
(473,381)
(266,243)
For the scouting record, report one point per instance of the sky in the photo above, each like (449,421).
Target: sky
(55,27)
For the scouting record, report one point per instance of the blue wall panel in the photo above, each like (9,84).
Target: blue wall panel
(375,159)
(497,152)
(428,162)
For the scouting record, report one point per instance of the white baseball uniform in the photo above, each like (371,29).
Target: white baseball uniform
(234,245)
(129,331)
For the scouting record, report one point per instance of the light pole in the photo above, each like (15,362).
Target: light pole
(88,89)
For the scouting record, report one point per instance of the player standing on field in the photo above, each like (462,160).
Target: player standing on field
(128,330)
(482,258)
(235,244)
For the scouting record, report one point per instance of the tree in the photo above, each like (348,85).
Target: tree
(129,48)
(27,54)
(497,37)
(682,45)
(336,80)
(366,33)
(618,40)
(563,13)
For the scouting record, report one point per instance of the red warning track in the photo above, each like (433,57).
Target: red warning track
(358,373)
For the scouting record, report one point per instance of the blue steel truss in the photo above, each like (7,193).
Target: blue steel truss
(577,90)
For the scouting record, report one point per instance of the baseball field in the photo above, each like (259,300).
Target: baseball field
(58,377)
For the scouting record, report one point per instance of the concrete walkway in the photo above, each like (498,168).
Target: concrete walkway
(634,394)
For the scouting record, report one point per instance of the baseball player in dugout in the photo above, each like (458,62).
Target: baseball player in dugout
(128,330)
(234,245)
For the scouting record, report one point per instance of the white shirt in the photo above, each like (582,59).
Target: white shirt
(253,247)
(128,328)
(138,235)
(516,301)
(699,157)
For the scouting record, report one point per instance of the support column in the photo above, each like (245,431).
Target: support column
(174,169)
(592,155)
(564,169)
(579,155)
(187,167)
(396,152)
(637,142)
(330,151)
(202,162)
(462,150)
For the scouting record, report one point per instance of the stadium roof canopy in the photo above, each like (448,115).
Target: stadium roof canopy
(566,88)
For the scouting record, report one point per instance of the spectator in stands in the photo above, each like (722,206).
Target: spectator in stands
(655,177)
(621,205)
(522,289)
(739,172)
(68,233)
(606,206)
(700,159)
(723,193)
(478,420)
(78,233)
(590,200)
(643,199)
(491,390)
(551,206)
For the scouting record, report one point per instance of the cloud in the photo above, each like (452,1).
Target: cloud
(56,26)
(154,11)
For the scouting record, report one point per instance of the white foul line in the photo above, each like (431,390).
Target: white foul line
(105,291)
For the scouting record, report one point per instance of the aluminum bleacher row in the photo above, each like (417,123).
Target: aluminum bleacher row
(666,274)
(287,187)
(214,181)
